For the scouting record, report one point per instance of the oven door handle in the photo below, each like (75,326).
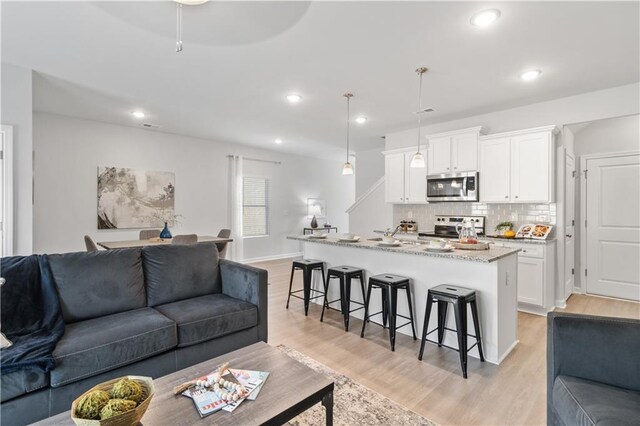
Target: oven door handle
(464,187)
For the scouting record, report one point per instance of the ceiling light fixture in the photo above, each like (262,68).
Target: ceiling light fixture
(138,114)
(179,4)
(530,75)
(347,169)
(294,98)
(417,161)
(485,18)
(278,141)
(361,120)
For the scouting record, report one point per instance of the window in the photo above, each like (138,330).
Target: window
(255,206)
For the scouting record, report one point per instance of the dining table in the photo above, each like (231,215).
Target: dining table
(111,245)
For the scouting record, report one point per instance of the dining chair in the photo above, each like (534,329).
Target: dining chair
(185,239)
(90,244)
(147,234)
(222,247)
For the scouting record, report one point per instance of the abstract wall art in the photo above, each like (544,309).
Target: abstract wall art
(131,198)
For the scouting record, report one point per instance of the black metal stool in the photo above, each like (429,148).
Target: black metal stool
(307,266)
(389,284)
(344,274)
(460,297)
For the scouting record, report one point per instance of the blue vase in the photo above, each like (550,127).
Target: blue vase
(165,234)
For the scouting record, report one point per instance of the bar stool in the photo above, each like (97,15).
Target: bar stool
(460,297)
(344,274)
(389,284)
(307,266)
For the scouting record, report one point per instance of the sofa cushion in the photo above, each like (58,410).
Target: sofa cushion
(100,344)
(22,381)
(583,402)
(207,317)
(95,284)
(178,272)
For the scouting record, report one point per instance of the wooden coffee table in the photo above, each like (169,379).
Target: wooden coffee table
(290,389)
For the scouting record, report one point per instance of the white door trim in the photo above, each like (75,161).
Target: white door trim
(7,181)
(583,208)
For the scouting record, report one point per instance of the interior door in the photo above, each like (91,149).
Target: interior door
(613,226)
(415,180)
(394,178)
(570,216)
(464,152)
(439,155)
(494,170)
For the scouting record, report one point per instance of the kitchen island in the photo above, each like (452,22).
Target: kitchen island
(492,273)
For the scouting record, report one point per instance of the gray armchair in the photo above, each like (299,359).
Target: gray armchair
(593,370)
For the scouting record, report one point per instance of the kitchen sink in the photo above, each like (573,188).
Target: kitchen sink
(403,242)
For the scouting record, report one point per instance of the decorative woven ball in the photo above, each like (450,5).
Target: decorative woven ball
(127,389)
(90,405)
(115,407)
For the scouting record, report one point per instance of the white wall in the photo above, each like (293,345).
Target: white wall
(371,213)
(600,137)
(369,168)
(69,150)
(17,112)
(608,103)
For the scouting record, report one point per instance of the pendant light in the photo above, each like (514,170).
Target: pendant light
(417,161)
(179,4)
(347,169)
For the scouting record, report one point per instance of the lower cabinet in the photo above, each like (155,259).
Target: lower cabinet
(536,282)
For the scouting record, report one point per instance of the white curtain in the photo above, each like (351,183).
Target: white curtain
(235,207)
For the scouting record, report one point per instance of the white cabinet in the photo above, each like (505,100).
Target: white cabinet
(453,152)
(530,280)
(495,170)
(404,184)
(394,178)
(439,155)
(536,283)
(517,167)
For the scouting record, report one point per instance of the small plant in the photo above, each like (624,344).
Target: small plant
(165,216)
(504,226)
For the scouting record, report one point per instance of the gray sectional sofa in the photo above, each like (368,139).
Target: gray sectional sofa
(593,370)
(149,312)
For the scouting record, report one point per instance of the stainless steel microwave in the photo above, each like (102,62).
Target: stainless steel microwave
(452,187)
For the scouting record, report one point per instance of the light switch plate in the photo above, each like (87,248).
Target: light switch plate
(410,215)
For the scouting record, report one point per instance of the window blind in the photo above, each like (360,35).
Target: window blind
(255,206)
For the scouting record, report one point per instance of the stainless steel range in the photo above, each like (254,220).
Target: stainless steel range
(445,226)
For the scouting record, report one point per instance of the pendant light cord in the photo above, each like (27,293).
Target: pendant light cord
(178,27)
(348,125)
(420,71)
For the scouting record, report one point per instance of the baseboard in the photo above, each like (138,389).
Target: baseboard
(578,290)
(561,303)
(506,354)
(535,310)
(274,257)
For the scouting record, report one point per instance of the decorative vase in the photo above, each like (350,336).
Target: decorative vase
(314,222)
(165,234)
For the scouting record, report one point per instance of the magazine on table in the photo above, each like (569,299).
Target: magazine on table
(248,378)
(249,385)
(205,400)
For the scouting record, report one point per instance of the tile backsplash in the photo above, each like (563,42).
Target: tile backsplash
(519,214)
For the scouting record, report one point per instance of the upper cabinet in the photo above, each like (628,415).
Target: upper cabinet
(404,184)
(517,167)
(453,152)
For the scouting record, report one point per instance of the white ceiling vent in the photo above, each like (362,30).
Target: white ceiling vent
(425,110)
(151,126)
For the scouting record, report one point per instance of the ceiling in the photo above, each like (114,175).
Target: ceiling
(102,60)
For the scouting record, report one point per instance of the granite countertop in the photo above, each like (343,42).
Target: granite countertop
(517,240)
(485,256)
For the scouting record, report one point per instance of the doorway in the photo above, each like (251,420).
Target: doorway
(610,195)
(570,223)
(6,191)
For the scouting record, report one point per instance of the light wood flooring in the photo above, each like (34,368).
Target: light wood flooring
(513,393)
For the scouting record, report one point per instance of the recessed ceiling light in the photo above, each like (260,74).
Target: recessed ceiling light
(361,120)
(530,75)
(278,141)
(485,18)
(138,114)
(294,98)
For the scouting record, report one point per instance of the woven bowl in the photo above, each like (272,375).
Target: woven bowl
(129,418)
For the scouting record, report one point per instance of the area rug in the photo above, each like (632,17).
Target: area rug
(353,404)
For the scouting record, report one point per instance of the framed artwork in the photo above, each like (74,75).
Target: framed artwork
(131,198)
(316,207)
